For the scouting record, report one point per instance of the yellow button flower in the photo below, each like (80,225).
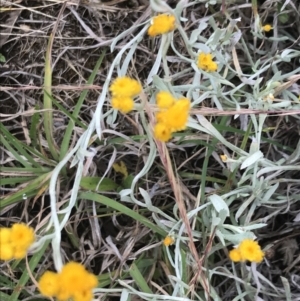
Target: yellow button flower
(83,296)
(15,241)
(71,277)
(206,63)
(162,132)
(164,100)
(123,104)
(74,281)
(224,158)
(49,284)
(172,117)
(235,255)
(161,24)
(6,251)
(5,235)
(19,253)
(267,28)
(168,241)
(125,87)
(22,236)
(249,250)
(176,117)
(212,67)
(203,60)
(63,295)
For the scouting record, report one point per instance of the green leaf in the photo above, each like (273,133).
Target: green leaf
(33,134)
(48,113)
(126,183)
(139,279)
(123,209)
(91,183)
(2,60)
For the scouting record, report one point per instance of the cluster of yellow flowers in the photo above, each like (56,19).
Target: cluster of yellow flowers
(161,24)
(172,116)
(15,241)
(249,250)
(206,63)
(123,89)
(74,281)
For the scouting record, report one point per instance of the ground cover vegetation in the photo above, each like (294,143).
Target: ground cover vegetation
(150,150)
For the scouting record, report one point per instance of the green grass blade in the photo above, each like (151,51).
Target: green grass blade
(68,133)
(48,115)
(193,176)
(11,143)
(185,267)
(63,110)
(28,170)
(123,209)
(13,181)
(30,190)
(139,279)
(34,261)
(16,154)
(22,148)
(39,155)
(5,297)
(35,119)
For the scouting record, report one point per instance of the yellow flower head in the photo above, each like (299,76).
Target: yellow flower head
(168,241)
(162,132)
(164,100)
(63,295)
(267,28)
(83,296)
(212,66)
(5,235)
(235,255)
(270,98)
(71,277)
(49,284)
(206,63)
(19,253)
(125,87)
(224,158)
(15,241)
(172,117)
(161,24)
(204,58)
(177,115)
(250,250)
(22,236)
(6,251)
(124,104)
(74,281)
